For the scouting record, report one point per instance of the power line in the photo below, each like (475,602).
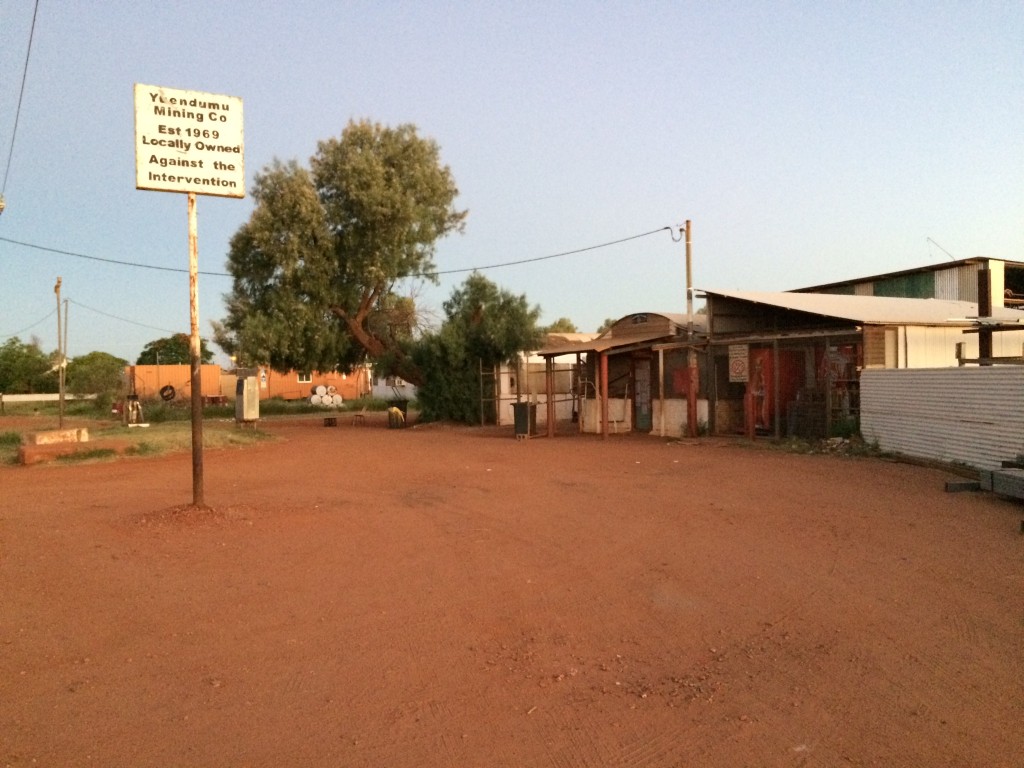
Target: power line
(224,274)
(552,256)
(419,274)
(91,309)
(122,319)
(21,94)
(107,261)
(30,327)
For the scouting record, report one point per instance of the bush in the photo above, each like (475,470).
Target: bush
(277,406)
(845,428)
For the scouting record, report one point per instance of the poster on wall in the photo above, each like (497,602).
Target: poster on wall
(738,363)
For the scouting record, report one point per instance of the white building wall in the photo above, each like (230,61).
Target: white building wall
(927,347)
(528,380)
(1007,344)
(401,390)
(620,416)
(676,417)
(970,415)
(506,413)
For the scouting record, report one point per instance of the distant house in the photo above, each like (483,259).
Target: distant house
(804,350)
(964,407)
(299,385)
(634,376)
(953,280)
(170,382)
(790,363)
(173,381)
(391,388)
(525,380)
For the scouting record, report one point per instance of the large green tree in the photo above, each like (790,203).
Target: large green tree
(484,326)
(316,266)
(562,325)
(25,368)
(173,350)
(96,373)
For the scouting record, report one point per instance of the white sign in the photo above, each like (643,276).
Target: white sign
(739,355)
(187,141)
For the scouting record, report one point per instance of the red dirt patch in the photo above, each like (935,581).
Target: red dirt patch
(454,597)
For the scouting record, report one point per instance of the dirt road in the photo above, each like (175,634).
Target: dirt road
(454,597)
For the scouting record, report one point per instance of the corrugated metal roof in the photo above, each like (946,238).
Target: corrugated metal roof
(600,344)
(974,261)
(611,340)
(879,310)
(559,337)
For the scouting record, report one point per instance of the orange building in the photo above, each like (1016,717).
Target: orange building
(149,380)
(294,385)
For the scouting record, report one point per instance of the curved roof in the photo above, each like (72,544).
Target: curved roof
(636,329)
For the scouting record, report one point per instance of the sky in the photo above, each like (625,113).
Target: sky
(807,142)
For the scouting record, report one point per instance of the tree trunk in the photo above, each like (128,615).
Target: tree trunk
(375,348)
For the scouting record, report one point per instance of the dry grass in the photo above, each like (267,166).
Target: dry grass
(167,437)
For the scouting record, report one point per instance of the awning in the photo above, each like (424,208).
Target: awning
(605,344)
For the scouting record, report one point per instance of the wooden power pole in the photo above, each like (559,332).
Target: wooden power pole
(693,379)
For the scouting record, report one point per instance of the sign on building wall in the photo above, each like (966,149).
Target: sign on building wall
(188,141)
(739,365)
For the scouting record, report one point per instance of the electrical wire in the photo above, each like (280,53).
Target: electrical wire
(224,274)
(107,261)
(544,258)
(122,319)
(419,274)
(21,94)
(29,327)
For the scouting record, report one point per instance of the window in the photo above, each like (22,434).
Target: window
(305,378)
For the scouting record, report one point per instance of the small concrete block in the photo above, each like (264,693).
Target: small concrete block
(985,479)
(1009,482)
(957,486)
(59,436)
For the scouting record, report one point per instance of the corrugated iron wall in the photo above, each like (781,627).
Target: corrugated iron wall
(970,415)
(957,283)
(874,346)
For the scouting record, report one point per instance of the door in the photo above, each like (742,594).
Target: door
(642,418)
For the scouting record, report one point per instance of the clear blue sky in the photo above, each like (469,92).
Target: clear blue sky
(807,141)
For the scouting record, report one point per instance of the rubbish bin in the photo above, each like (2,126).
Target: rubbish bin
(525,417)
(398,412)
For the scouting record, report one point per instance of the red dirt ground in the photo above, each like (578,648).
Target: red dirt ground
(441,596)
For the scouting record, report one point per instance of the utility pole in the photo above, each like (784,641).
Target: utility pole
(195,356)
(691,352)
(64,356)
(60,362)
